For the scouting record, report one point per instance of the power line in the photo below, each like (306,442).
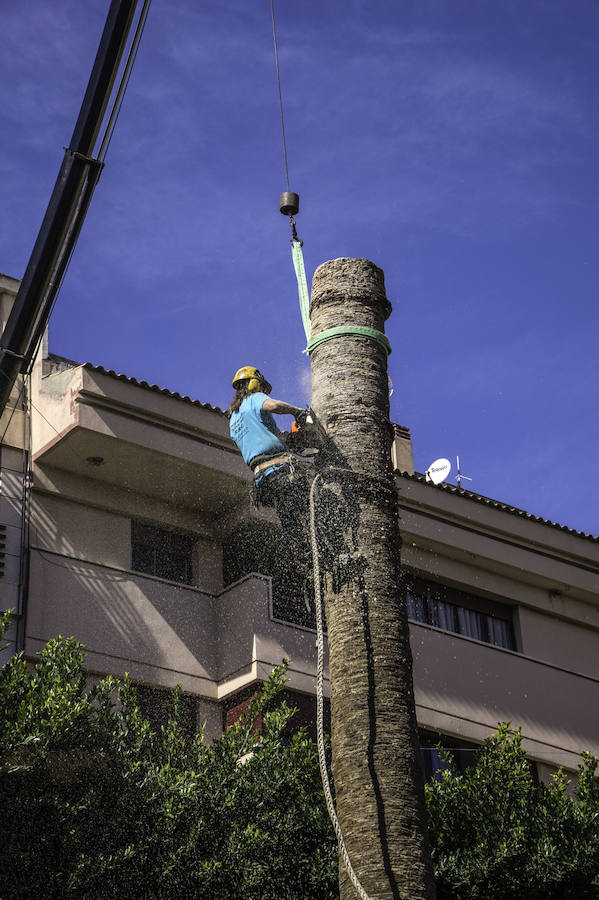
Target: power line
(124,83)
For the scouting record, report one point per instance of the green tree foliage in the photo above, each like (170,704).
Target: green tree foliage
(497,835)
(96,805)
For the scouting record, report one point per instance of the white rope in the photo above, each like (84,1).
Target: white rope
(320,704)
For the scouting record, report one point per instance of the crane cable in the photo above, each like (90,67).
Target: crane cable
(312,341)
(274,37)
(296,243)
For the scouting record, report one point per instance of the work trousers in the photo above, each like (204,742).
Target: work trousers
(290,499)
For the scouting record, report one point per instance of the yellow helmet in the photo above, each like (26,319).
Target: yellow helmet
(255,379)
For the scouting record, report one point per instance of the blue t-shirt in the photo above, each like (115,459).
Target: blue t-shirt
(253,430)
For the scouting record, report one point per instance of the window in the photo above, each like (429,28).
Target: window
(463,752)
(289,596)
(454,610)
(161,552)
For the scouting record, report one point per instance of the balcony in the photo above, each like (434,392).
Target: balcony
(126,436)
(214,645)
(162,632)
(464,687)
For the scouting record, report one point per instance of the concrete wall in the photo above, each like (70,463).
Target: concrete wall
(216,646)
(8,291)
(90,520)
(11,504)
(562,630)
(548,576)
(98,535)
(161,632)
(464,688)
(547,637)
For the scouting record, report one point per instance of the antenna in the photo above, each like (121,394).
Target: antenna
(438,471)
(459,476)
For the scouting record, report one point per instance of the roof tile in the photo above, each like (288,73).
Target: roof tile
(150,387)
(495,504)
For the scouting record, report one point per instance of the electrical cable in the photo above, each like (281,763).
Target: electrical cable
(274,36)
(73,235)
(92,175)
(86,194)
(24,565)
(124,83)
(77,225)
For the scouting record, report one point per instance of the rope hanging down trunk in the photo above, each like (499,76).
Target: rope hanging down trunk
(319,698)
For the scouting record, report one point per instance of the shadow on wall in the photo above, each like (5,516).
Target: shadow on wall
(129,617)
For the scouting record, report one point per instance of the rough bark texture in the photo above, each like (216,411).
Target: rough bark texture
(377,775)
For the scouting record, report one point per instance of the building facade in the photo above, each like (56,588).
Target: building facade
(126,522)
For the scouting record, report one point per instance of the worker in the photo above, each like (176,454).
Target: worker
(278,481)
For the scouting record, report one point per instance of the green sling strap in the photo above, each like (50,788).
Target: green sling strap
(329,333)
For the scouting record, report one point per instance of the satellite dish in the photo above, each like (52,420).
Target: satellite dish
(438,471)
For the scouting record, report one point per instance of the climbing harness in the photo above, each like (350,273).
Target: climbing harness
(296,465)
(295,462)
(273,461)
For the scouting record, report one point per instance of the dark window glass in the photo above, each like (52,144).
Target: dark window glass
(455,610)
(161,552)
(472,623)
(416,607)
(464,754)
(293,602)
(433,762)
(143,559)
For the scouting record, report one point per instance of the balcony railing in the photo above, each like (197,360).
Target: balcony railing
(465,687)
(163,632)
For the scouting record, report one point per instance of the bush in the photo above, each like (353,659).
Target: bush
(96,805)
(497,835)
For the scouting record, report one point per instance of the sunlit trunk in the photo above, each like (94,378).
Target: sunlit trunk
(376,769)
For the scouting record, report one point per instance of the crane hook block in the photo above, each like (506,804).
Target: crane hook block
(289,203)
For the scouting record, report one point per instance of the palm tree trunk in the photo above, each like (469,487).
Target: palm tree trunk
(376,770)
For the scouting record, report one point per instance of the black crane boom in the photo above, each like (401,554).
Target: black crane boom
(66,210)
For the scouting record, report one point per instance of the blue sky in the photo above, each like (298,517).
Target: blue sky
(452,143)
